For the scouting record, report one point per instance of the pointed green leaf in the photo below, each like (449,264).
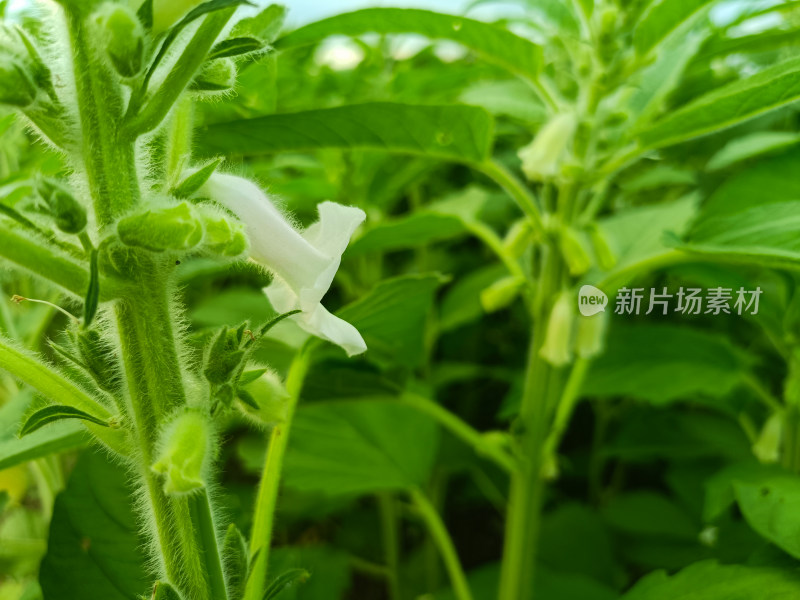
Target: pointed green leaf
(236,47)
(51,414)
(265,26)
(235,559)
(164,591)
(251,376)
(751,146)
(662,19)
(729,105)
(284,581)
(493,43)
(461,133)
(771,506)
(145,14)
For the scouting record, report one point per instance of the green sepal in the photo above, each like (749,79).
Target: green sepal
(145,14)
(53,413)
(159,229)
(284,581)
(224,356)
(164,591)
(236,47)
(235,559)
(216,76)
(17,87)
(189,186)
(247,398)
(250,376)
(93,292)
(223,237)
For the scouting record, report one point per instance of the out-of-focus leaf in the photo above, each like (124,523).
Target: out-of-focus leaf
(709,580)
(56,438)
(232,307)
(462,302)
(360,447)
(645,513)
(663,363)
(452,132)
(265,25)
(727,106)
(751,146)
(772,507)
(511,98)
(662,19)
(418,229)
(720,494)
(285,581)
(329,568)
(392,317)
(95,549)
(493,43)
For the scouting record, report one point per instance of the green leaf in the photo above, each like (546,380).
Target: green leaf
(392,318)
(196,180)
(57,438)
(95,548)
(644,362)
(93,293)
(330,571)
(708,580)
(492,43)
(645,513)
(662,19)
(145,14)
(358,447)
(460,133)
(235,560)
(418,229)
(235,47)
(197,12)
(265,25)
(284,581)
(461,303)
(53,413)
(772,507)
(751,146)
(727,106)
(720,493)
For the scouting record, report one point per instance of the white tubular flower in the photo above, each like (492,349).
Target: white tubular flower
(303,263)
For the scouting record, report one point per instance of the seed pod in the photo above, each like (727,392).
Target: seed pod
(216,76)
(69,215)
(16,83)
(542,158)
(184,453)
(124,38)
(557,347)
(159,229)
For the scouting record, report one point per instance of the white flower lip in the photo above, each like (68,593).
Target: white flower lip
(303,263)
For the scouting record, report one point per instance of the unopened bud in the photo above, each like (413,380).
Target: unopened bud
(124,38)
(518,238)
(575,252)
(557,347)
(160,229)
(501,293)
(16,85)
(767,448)
(542,158)
(216,76)
(185,448)
(590,335)
(606,257)
(271,397)
(69,215)
(224,237)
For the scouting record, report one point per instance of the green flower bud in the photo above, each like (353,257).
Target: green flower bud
(224,237)
(543,157)
(185,449)
(590,336)
(501,293)
(575,252)
(124,38)
(16,84)
(216,76)
(271,397)
(159,229)
(767,448)
(606,257)
(557,347)
(69,215)
(518,238)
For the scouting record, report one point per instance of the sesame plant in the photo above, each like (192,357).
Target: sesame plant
(300,313)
